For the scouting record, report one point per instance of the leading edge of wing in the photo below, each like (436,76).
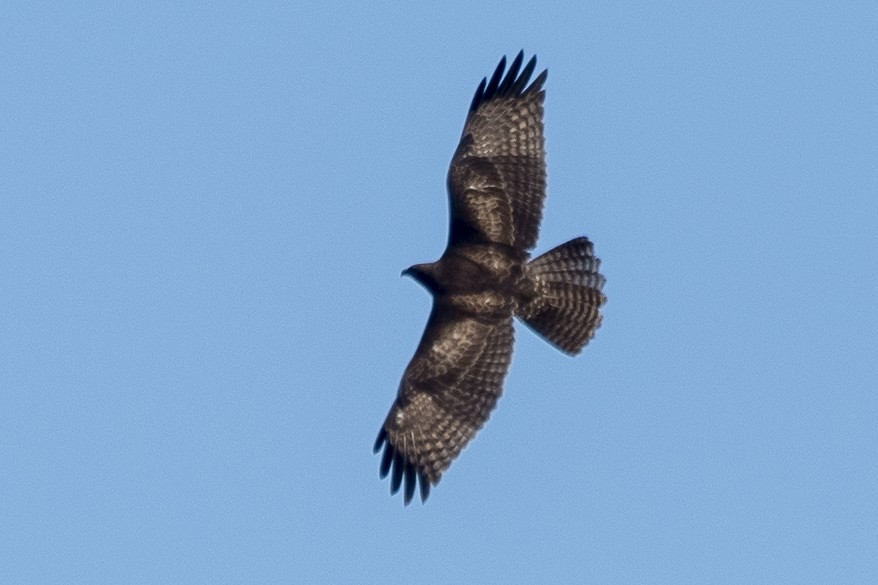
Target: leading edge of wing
(514,84)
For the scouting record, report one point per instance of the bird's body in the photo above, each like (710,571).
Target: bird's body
(497,185)
(479,279)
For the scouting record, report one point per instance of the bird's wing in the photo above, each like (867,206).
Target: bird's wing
(447,393)
(497,178)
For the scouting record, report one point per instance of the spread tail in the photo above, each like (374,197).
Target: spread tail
(565,310)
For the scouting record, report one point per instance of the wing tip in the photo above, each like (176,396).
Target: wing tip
(379,440)
(403,473)
(513,83)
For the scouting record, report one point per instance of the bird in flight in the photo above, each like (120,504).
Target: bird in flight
(496,189)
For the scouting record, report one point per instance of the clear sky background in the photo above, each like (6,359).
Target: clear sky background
(204,212)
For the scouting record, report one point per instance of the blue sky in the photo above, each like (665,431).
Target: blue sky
(204,212)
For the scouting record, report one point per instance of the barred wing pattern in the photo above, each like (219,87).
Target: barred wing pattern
(446,395)
(497,179)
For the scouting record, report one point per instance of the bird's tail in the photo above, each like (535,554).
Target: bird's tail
(565,310)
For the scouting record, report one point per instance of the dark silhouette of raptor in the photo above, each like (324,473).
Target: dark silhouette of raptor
(496,187)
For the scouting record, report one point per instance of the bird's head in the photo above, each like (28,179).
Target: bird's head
(426,274)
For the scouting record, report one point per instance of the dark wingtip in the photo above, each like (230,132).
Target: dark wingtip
(379,440)
(396,476)
(537,85)
(410,479)
(477,98)
(424,485)
(386,461)
(491,89)
(524,77)
(511,74)
(512,84)
(402,472)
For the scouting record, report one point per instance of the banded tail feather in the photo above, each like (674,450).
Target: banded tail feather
(566,309)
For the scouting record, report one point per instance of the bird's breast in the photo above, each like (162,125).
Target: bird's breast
(486,303)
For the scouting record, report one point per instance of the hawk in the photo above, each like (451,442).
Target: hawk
(496,189)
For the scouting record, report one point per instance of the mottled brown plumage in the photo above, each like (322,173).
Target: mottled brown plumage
(496,186)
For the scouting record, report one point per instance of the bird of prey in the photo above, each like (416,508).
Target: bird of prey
(496,189)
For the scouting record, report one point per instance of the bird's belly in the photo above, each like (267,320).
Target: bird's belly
(487,303)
